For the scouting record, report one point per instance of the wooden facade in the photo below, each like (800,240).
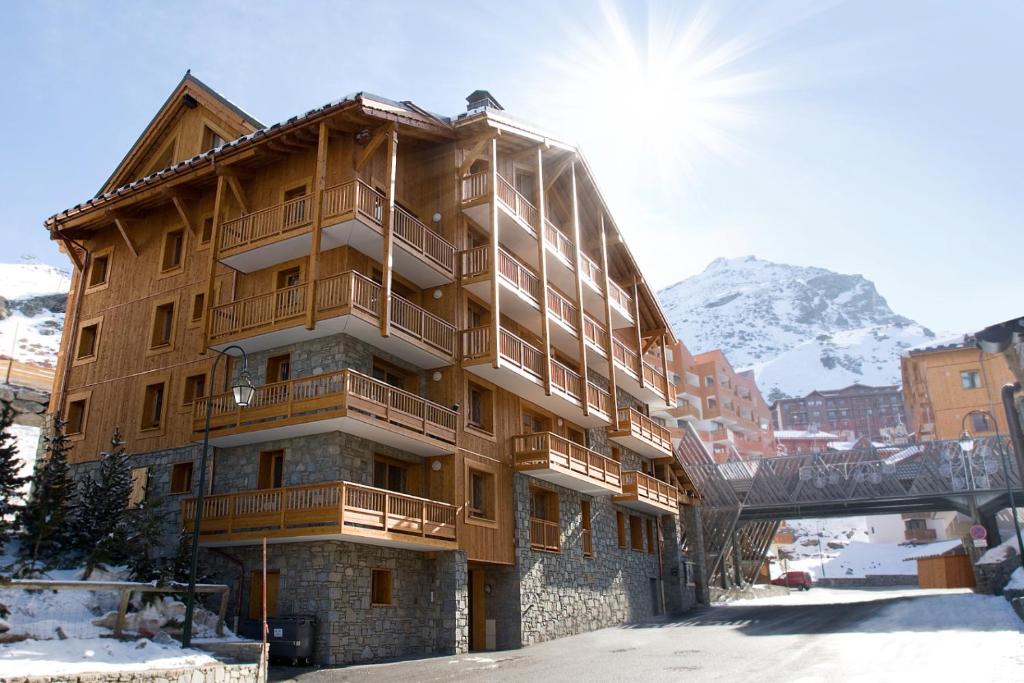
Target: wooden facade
(475,249)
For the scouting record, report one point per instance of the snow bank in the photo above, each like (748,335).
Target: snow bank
(75,656)
(1016,580)
(1000,553)
(858,560)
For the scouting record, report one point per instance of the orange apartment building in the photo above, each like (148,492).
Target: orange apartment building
(943,382)
(451,435)
(725,407)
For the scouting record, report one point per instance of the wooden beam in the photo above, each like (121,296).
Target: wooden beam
(72,252)
(375,142)
(122,228)
(319,180)
(670,399)
(579,289)
(179,206)
(542,259)
(610,344)
(561,168)
(237,191)
(495,248)
(208,302)
(388,227)
(636,329)
(477,147)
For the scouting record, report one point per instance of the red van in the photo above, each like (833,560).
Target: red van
(801,580)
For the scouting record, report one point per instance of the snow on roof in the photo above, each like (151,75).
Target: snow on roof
(936,549)
(803,434)
(900,456)
(955,341)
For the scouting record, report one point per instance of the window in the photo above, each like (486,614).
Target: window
(616,454)
(173,251)
(288,277)
(476,315)
(211,139)
(198,301)
(576,436)
(390,474)
(620,527)
(652,540)
(181,477)
(195,387)
(153,406)
(636,533)
(99,269)
(140,481)
(206,233)
(88,337)
(534,423)
(970,379)
(380,588)
(912,524)
(76,417)
(586,533)
(163,326)
(545,530)
(480,407)
(526,185)
(271,474)
(395,376)
(481,494)
(279,368)
(981,423)
(295,192)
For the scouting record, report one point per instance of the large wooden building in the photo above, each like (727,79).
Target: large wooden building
(451,438)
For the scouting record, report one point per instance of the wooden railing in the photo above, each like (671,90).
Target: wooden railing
(335,295)
(562,245)
(626,357)
(544,535)
(329,393)
(645,428)
(589,270)
(562,309)
(517,203)
(655,378)
(553,451)
(477,261)
(646,487)
(567,380)
(595,334)
(476,185)
(270,222)
(620,299)
(600,400)
(331,507)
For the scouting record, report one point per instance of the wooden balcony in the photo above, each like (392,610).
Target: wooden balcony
(642,434)
(647,494)
(545,535)
(353,214)
(630,368)
(521,371)
(337,510)
(520,288)
(556,459)
(348,303)
(920,535)
(344,401)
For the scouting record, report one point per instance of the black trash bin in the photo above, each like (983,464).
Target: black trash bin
(290,637)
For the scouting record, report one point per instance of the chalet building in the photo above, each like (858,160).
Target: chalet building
(855,411)
(724,406)
(450,445)
(943,382)
(793,441)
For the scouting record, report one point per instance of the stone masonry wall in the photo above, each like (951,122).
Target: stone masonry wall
(212,673)
(29,405)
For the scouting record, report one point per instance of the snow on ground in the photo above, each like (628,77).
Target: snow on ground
(1016,582)
(22,280)
(74,656)
(928,636)
(858,560)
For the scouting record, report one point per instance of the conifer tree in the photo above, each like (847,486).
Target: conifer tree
(11,482)
(44,520)
(101,510)
(145,527)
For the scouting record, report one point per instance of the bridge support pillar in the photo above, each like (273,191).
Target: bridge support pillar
(691,518)
(991,524)
(677,598)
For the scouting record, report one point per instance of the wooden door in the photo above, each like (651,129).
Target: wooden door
(477,609)
(256,594)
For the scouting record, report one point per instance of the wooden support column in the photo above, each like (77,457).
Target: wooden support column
(495,247)
(579,286)
(208,302)
(542,259)
(319,180)
(669,399)
(387,261)
(636,328)
(609,344)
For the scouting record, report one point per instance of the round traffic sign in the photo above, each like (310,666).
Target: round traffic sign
(978,532)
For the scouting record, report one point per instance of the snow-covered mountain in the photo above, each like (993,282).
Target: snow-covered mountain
(32,301)
(799,328)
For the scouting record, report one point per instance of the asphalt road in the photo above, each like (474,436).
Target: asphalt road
(741,642)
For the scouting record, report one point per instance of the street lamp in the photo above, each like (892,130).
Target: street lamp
(243,393)
(967,443)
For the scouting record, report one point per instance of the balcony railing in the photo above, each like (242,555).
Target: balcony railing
(545,450)
(655,378)
(595,334)
(337,507)
(336,295)
(322,397)
(562,245)
(621,299)
(477,261)
(563,310)
(920,535)
(515,352)
(646,429)
(628,359)
(589,270)
(265,224)
(641,487)
(544,535)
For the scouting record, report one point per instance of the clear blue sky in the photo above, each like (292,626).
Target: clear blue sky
(882,138)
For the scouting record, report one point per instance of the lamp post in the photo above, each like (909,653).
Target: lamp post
(967,446)
(242,393)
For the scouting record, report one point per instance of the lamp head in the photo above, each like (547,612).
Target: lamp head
(966,442)
(244,390)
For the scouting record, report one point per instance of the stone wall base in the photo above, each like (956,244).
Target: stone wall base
(211,673)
